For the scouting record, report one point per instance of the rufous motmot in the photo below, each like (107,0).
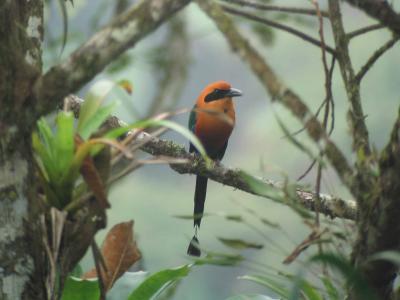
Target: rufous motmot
(211,120)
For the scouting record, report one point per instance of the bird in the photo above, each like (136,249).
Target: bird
(212,120)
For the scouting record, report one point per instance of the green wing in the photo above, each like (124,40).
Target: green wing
(192,119)
(192,126)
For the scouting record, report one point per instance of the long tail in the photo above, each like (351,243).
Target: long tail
(199,199)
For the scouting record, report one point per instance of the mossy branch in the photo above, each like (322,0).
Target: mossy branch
(381,11)
(352,85)
(330,205)
(101,49)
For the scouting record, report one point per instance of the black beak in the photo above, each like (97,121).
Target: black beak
(234,93)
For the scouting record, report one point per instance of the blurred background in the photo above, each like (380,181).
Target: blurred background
(168,69)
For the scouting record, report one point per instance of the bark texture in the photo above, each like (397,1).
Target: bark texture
(21,32)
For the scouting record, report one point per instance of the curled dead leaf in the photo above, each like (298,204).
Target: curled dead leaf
(119,252)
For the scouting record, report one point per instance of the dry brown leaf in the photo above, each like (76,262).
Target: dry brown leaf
(119,253)
(94,181)
(92,177)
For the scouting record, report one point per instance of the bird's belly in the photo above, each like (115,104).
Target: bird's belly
(214,132)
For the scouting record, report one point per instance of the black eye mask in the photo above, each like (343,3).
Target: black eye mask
(220,94)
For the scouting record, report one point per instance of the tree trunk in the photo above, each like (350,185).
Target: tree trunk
(379,227)
(21,32)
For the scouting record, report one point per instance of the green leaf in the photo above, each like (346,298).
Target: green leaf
(76,288)
(190,217)
(273,285)
(219,259)
(43,158)
(124,286)
(80,154)
(158,282)
(251,297)
(285,195)
(94,122)
(330,289)
(54,154)
(310,291)
(270,223)
(262,188)
(162,123)
(64,141)
(234,218)
(239,244)
(46,134)
(360,286)
(45,146)
(93,100)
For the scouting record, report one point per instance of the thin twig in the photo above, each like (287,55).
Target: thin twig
(328,99)
(356,115)
(325,103)
(381,11)
(277,25)
(287,9)
(332,101)
(364,30)
(304,128)
(100,266)
(307,171)
(313,238)
(377,54)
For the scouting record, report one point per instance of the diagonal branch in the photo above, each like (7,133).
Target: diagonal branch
(377,54)
(364,30)
(356,115)
(381,11)
(277,25)
(278,91)
(103,47)
(268,7)
(329,205)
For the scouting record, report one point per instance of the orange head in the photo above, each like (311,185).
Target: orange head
(215,115)
(218,90)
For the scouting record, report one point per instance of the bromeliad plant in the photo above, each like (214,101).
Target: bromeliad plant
(65,153)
